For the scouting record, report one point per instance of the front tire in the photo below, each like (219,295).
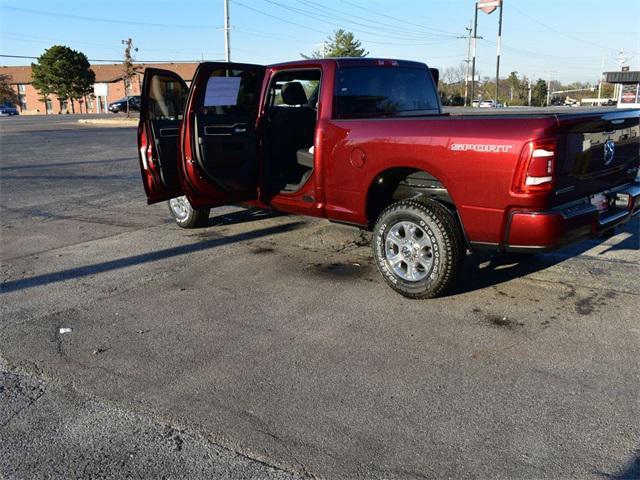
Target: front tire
(418,248)
(185,215)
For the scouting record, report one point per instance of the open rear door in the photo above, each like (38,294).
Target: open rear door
(164,96)
(220,140)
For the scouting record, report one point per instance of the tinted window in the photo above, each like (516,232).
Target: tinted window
(363,92)
(167,98)
(232,93)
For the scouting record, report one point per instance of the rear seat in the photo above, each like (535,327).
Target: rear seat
(305,157)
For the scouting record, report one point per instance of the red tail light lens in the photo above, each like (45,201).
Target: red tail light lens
(536,167)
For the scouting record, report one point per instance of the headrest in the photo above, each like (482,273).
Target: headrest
(293,94)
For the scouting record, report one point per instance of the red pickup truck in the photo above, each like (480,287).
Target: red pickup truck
(365,142)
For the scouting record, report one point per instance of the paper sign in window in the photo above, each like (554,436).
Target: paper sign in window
(222,91)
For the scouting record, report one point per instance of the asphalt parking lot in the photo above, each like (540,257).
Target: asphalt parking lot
(266,346)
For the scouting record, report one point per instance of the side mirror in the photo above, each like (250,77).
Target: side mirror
(435,73)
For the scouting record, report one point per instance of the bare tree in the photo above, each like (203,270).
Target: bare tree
(128,69)
(455,74)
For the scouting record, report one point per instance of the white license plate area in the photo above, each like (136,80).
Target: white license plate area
(600,201)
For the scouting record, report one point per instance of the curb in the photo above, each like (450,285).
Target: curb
(132,122)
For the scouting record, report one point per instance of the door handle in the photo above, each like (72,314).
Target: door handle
(168,132)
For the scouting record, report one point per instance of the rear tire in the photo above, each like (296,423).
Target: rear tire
(419,248)
(185,215)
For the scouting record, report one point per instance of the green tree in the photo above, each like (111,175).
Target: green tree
(341,44)
(518,89)
(63,72)
(539,93)
(7,94)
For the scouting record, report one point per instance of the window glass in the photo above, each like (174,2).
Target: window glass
(365,92)
(308,79)
(167,98)
(231,93)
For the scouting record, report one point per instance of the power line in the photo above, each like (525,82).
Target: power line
(118,60)
(564,34)
(255,33)
(373,23)
(565,59)
(332,19)
(306,27)
(387,16)
(324,32)
(104,20)
(37,39)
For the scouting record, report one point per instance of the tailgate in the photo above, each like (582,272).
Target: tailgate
(595,153)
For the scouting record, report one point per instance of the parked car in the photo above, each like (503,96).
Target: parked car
(370,147)
(121,105)
(487,104)
(8,110)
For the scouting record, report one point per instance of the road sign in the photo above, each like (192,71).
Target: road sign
(100,89)
(488,6)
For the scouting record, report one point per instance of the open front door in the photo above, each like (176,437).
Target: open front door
(164,96)
(220,141)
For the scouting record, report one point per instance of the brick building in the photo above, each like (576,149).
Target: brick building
(110,75)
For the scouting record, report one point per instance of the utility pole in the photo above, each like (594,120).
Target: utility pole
(548,88)
(498,53)
(227,43)
(529,100)
(467,70)
(467,62)
(474,48)
(601,76)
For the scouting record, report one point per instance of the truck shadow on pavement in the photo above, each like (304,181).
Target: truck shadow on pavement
(119,263)
(484,270)
(630,471)
(488,269)
(243,216)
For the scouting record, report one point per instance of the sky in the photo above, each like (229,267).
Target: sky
(565,40)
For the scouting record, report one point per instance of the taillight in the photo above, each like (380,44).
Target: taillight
(536,167)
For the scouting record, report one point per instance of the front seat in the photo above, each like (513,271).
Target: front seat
(293,94)
(292,128)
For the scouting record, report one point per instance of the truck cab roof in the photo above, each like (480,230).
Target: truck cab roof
(352,61)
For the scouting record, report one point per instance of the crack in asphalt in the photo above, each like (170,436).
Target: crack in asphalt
(166,430)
